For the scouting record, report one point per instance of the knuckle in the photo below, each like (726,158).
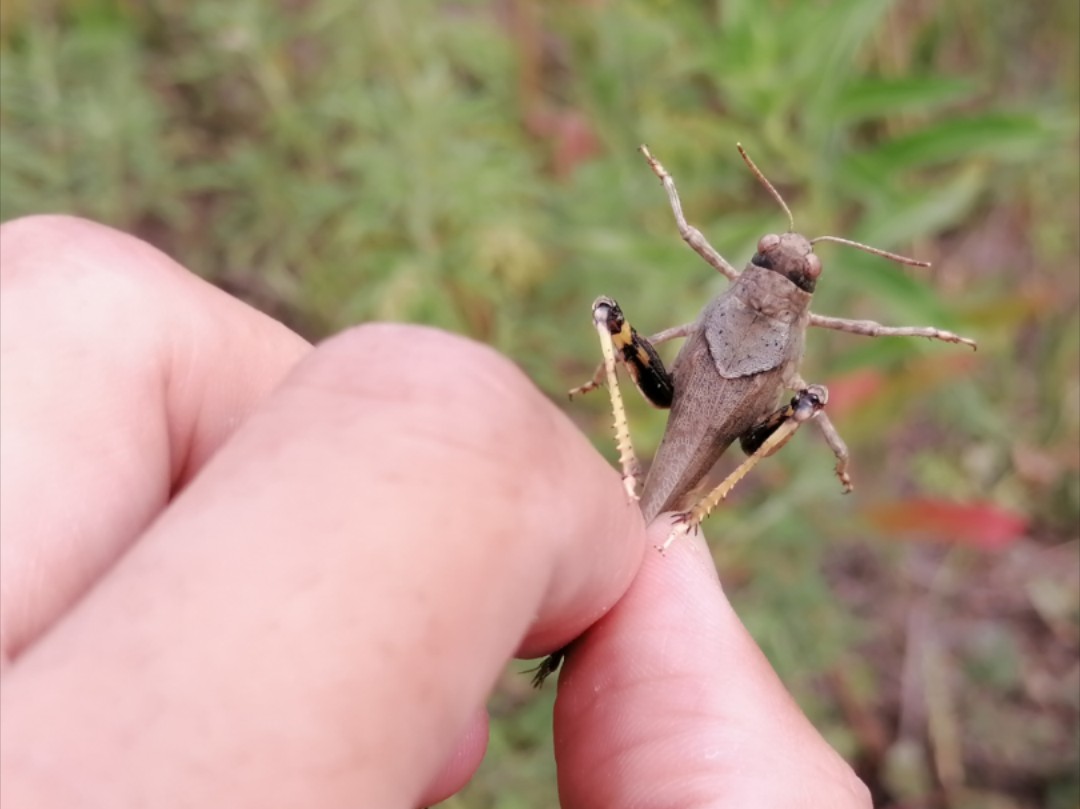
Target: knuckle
(54,249)
(445,384)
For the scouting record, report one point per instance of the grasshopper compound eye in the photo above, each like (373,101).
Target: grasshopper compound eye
(767,243)
(813,266)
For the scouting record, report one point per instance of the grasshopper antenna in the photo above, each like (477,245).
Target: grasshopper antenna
(769,186)
(791,220)
(911,262)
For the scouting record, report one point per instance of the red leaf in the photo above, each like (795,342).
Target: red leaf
(853,390)
(978,524)
(857,389)
(572,137)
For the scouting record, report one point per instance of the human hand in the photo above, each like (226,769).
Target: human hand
(238,570)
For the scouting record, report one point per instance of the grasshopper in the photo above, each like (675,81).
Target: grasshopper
(740,354)
(761,442)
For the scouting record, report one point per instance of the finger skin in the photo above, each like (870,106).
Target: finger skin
(122,374)
(217,358)
(319,615)
(459,769)
(667,702)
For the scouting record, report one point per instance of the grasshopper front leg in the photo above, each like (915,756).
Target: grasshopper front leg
(690,234)
(759,442)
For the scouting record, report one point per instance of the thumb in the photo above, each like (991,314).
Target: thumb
(667,701)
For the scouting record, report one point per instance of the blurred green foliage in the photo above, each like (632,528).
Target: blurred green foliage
(472,165)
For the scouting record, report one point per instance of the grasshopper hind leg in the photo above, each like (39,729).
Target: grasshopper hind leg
(634,362)
(619,341)
(759,442)
(605,311)
(548,666)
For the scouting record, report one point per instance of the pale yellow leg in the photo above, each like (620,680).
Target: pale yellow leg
(693,518)
(808,407)
(627,459)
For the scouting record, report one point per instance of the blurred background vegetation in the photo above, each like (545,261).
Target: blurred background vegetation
(472,165)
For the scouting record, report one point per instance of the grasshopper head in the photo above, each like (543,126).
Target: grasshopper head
(792,256)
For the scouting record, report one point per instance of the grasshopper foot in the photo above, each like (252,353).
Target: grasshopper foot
(845,478)
(581,390)
(548,666)
(682,525)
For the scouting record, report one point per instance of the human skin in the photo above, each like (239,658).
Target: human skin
(238,569)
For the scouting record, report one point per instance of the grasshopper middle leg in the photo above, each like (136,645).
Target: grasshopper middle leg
(870,328)
(832,438)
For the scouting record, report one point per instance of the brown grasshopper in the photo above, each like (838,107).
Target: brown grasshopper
(740,354)
(759,443)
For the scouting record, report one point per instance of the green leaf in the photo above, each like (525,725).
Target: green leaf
(906,296)
(924,212)
(999,135)
(881,97)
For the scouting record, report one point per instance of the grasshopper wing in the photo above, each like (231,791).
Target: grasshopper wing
(709,412)
(728,378)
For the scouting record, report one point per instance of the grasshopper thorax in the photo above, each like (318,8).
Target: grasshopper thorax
(792,256)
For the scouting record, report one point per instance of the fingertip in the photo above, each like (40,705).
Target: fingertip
(463,762)
(668,701)
(124,372)
(675,596)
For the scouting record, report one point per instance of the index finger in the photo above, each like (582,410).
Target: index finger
(319,615)
(123,372)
